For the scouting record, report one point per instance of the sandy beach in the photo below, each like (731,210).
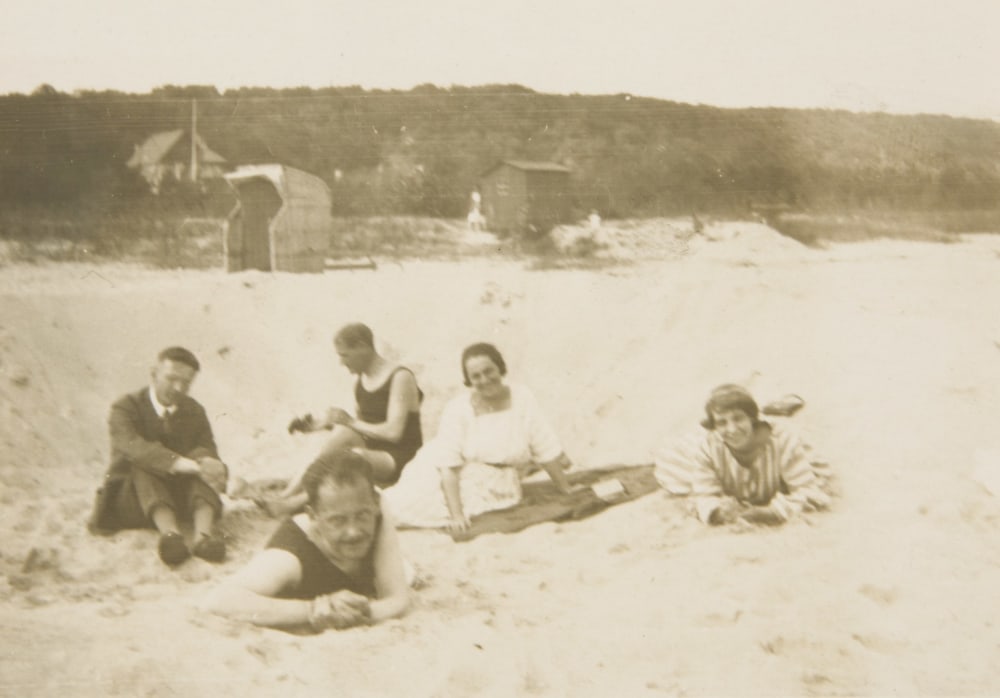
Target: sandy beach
(895,347)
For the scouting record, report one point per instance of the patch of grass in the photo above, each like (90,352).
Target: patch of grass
(566,263)
(169,241)
(816,229)
(399,237)
(394,236)
(173,241)
(582,253)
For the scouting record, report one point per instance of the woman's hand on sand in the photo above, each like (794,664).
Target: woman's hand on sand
(726,513)
(761,515)
(459,524)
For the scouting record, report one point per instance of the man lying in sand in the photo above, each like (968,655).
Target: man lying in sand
(386,431)
(164,463)
(337,565)
(743,468)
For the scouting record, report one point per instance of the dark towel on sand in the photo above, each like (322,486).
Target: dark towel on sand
(542,502)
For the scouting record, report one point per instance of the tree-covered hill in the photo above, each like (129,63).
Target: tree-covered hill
(421,151)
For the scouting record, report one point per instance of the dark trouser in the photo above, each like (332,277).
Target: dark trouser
(142,492)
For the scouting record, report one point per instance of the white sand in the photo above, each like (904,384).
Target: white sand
(895,347)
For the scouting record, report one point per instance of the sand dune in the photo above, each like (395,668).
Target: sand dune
(895,347)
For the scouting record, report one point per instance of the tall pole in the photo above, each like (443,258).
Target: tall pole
(194,140)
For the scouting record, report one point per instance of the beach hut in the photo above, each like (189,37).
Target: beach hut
(525,196)
(281,222)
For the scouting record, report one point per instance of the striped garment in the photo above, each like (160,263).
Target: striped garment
(783,477)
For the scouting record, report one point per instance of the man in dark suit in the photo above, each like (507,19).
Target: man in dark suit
(164,464)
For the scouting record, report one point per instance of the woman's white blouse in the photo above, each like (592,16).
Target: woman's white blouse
(515,436)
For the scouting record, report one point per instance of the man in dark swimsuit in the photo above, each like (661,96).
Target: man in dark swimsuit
(338,565)
(386,430)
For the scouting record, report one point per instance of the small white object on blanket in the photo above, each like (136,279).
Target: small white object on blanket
(609,490)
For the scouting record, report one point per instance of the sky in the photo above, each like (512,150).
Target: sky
(899,56)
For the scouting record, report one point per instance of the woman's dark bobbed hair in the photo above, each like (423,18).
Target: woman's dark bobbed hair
(482,349)
(730,396)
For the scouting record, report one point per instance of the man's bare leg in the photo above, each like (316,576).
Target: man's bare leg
(383,466)
(293,498)
(342,438)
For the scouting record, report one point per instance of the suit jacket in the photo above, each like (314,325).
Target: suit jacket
(139,438)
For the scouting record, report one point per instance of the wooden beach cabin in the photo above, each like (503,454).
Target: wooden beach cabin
(525,196)
(282,220)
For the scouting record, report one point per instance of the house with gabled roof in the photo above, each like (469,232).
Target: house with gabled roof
(168,155)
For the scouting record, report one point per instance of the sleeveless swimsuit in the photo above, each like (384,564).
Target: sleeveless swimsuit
(373,407)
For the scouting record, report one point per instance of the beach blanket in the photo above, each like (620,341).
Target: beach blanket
(542,502)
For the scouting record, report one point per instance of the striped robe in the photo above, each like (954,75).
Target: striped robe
(783,477)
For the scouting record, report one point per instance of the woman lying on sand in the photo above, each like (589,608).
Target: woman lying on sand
(335,566)
(743,467)
(488,439)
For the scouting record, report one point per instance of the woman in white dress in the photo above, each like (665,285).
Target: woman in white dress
(488,439)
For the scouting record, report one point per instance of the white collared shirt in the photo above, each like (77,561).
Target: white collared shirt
(161,410)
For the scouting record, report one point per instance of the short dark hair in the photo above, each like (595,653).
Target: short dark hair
(180,355)
(341,467)
(730,396)
(355,334)
(483,349)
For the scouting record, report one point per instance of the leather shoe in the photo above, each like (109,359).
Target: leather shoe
(172,549)
(211,548)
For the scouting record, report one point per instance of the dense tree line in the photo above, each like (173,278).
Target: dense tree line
(421,151)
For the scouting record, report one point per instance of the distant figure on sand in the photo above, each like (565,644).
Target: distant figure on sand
(476,220)
(743,468)
(386,430)
(488,439)
(594,220)
(164,464)
(337,565)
